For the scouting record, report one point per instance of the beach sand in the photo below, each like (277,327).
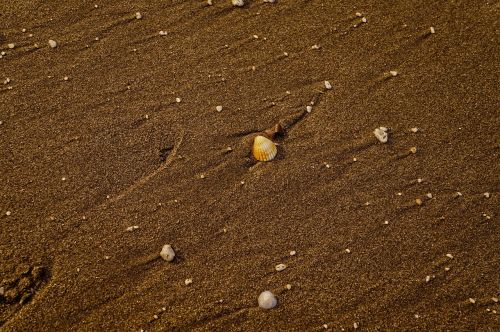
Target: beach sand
(93,141)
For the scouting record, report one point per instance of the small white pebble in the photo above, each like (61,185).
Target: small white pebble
(386,222)
(11,45)
(399,194)
(487,195)
(202,176)
(429,195)
(449,256)
(358,14)
(419,180)
(418,201)
(328,86)
(280,267)
(238,3)
(315,47)
(269,1)
(96,6)
(293,253)
(188,281)
(381,134)
(65,78)
(131,228)
(432,30)
(8,213)
(288,92)
(63,179)
(30,35)
(285,53)
(167,253)
(363,20)
(288,286)
(163,33)
(413,149)
(348,251)
(494,299)
(218,108)
(209,2)
(178,100)
(138,15)
(417,316)
(6,81)
(325,326)
(354,159)
(355,325)
(267,300)
(23,30)
(471,300)
(446,269)
(242,182)
(52,43)
(3,53)
(414,129)
(155,316)
(106,257)
(393,73)
(427,278)
(309,109)
(255,36)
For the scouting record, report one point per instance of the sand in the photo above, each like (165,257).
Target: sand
(93,141)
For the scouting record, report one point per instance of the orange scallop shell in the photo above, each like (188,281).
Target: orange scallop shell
(264,149)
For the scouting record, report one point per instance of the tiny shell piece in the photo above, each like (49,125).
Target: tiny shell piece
(138,15)
(280,267)
(328,85)
(238,3)
(264,149)
(267,300)
(52,43)
(218,108)
(167,253)
(381,134)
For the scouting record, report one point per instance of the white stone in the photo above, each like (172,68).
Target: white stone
(238,3)
(209,2)
(138,15)
(393,73)
(315,47)
(363,20)
(309,109)
(188,281)
(167,253)
(267,300)
(52,43)
(293,253)
(178,100)
(8,213)
(381,134)
(449,256)
(328,86)
(218,108)
(11,45)
(471,300)
(487,195)
(280,267)
(131,228)
(163,33)
(432,30)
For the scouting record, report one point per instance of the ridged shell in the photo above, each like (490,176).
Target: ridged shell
(264,149)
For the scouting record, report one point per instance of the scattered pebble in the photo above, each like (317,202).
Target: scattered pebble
(132,228)
(209,2)
(269,1)
(325,326)
(202,176)
(355,325)
(188,281)
(429,195)
(309,109)
(446,269)
(393,73)
(419,180)
(427,278)
(138,15)
(167,253)
(218,108)
(3,53)
(471,300)
(417,316)
(288,286)
(487,195)
(11,45)
(155,316)
(432,30)
(457,194)
(163,33)
(293,253)
(177,100)
(238,3)
(358,14)
(414,129)
(348,251)
(386,222)
(413,149)
(65,78)
(354,159)
(363,20)
(23,30)
(266,299)
(255,36)
(381,134)
(449,256)
(280,267)
(328,86)
(8,213)
(315,47)
(494,299)
(63,179)
(52,43)
(6,81)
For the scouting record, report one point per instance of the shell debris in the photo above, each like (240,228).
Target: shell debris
(267,300)
(280,267)
(138,15)
(52,43)
(218,108)
(188,281)
(238,3)
(264,149)
(381,133)
(11,45)
(328,85)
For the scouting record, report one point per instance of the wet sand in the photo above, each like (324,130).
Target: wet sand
(93,141)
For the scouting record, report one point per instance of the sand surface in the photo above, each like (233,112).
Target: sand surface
(84,158)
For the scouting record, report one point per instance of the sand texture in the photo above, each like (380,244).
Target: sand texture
(117,126)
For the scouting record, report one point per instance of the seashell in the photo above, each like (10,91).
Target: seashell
(267,300)
(167,253)
(264,149)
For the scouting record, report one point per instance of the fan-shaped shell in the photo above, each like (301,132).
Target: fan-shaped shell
(264,149)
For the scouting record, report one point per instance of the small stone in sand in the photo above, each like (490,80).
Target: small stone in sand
(315,47)
(177,100)
(280,267)
(209,2)
(267,300)
(8,213)
(414,129)
(487,195)
(188,281)
(381,134)
(432,30)
(471,300)
(163,33)
(427,278)
(6,81)
(52,43)
(418,201)
(419,180)
(138,15)
(494,299)
(325,326)
(309,109)
(363,20)
(293,253)
(358,14)
(449,256)
(65,78)
(23,30)
(218,108)
(11,45)
(285,53)
(355,325)
(131,228)
(457,194)
(429,195)
(413,149)
(348,251)
(167,253)
(288,286)
(328,86)
(393,73)
(238,3)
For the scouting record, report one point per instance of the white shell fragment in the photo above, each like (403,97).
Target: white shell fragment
(264,149)
(328,85)
(163,33)
(432,30)
(218,108)
(11,45)
(138,15)
(188,281)
(393,73)
(238,3)
(167,253)
(267,300)
(381,134)
(52,43)
(280,267)
(309,109)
